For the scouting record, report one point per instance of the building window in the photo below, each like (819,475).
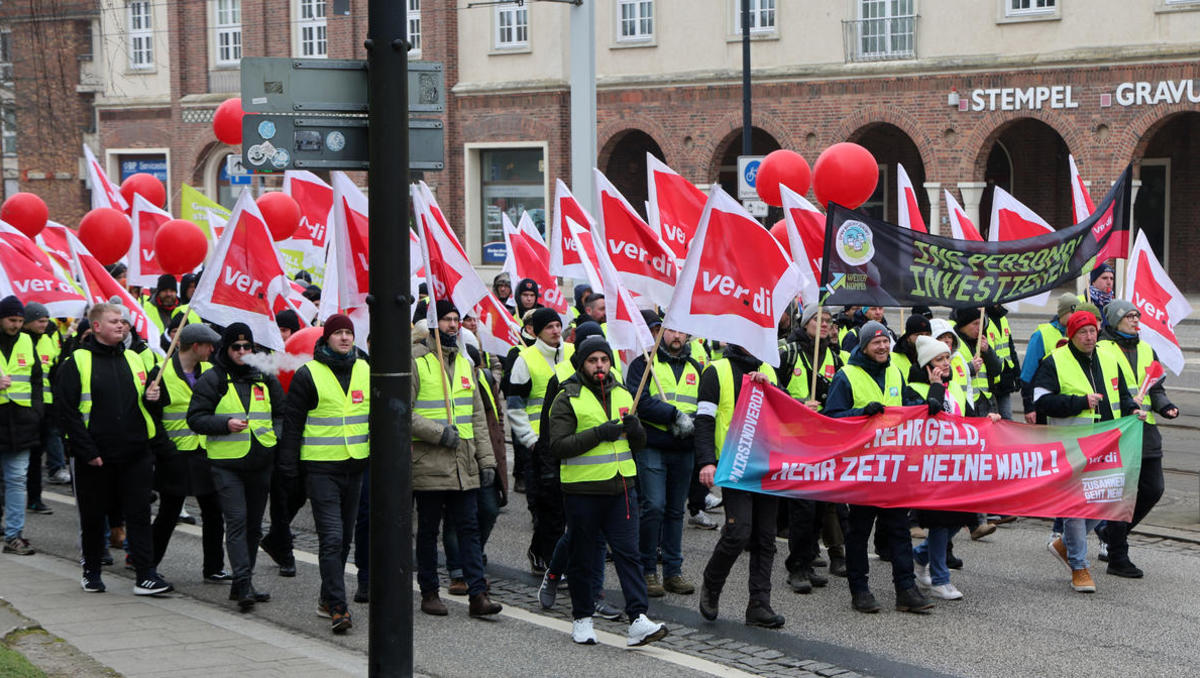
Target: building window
(414,28)
(885,29)
(512,26)
(8,130)
(1025,7)
(635,20)
(512,181)
(141,35)
(229,32)
(312,28)
(762,16)
(6,67)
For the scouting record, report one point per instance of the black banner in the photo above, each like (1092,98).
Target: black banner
(873,263)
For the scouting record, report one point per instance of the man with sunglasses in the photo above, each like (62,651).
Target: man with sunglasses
(1120,340)
(239,410)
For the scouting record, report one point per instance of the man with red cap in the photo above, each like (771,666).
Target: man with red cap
(1077,385)
(326,417)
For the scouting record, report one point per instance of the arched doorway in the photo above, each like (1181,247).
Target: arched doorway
(1028,158)
(626,166)
(891,147)
(1163,208)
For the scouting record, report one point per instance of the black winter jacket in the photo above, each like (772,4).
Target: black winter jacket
(655,410)
(209,390)
(20,426)
(1051,402)
(566,442)
(117,431)
(710,392)
(301,398)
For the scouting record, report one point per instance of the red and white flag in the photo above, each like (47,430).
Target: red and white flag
(1081,201)
(909,208)
(564,260)
(328,306)
(806,240)
(315,198)
(675,206)
(352,233)
(53,241)
(1012,220)
(497,331)
(143,266)
(736,283)
(527,257)
(449,273)
(245,281)
(961,227)
(416,268)
(626,328)
(1082,207)
(1161,303)
(644,262)
(101,287)
(104,192)
(28,273)
(582,242)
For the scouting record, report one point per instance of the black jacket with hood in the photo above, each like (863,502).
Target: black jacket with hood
(117,430)
(209,390)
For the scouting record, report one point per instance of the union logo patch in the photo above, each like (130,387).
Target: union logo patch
(691,380)
(356,397)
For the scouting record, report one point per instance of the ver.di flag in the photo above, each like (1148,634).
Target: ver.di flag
(28,273)
(352,233)
(101,287)
(305,250)
(527,257)
(806,240)
(1160,302)
(675,206)
(961,226)
(873,263)
(104,192)
(645,264)
(564,260)
(626,328)
(736,282)
(906,197)
(143,265)
(903,458)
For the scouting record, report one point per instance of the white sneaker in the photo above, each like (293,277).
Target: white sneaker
(712,502)
(582,631)
(922,573)
(945,592)
(701,520)
(643,631)
(1102,554)
(61,477)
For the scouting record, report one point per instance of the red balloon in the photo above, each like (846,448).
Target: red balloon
(300,343)
(227,121)
(782,167)
(25,212)
(106,233)
(845,173)
(180,246)
(146,185)
(281,212)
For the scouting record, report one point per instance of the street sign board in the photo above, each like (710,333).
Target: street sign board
(747,169)
(279,142)
(234,166)
(284,85)
(756,208)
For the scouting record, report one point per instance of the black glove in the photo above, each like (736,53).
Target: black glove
(610,430)
(487,476)
(449,437)
(873,409)
(633,425)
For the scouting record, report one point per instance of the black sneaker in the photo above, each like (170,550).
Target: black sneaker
(818,580)
(837,566)
(259,596)
(536,564)
(911,600)
(709,602)
(152,586)
(107,558)
(864,602)
(39,507)
(362,594)
(548,591)
(761,615)
(284,559)
(91,582)
(799,581)
(1124,568)
(218,577)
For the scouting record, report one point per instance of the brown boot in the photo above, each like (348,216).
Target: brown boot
(482,606)
(432,604)
(458,587)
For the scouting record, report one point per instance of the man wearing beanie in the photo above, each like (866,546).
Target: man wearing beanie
(1078,385)
(452,458)
(1100,289)
(502,287)
(867,385)
(1044,340)
(968,323)
(750,518)
(595,433)
(531,372)
(239,410)
(102,391)
(1120,339)
(325,425)
(288,323)
(904,354)
(47,344)
(21,408)
(163,301)
(526,296)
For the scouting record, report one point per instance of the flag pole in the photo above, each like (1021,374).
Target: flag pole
(437,337)
(979,339)
(649,368)
(812,390)
(171,349)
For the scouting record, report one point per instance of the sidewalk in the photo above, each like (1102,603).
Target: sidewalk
(176,636)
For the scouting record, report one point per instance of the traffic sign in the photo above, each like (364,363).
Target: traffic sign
(283,85)
(747,169)
(279,142)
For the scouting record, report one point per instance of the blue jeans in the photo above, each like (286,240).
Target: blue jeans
(932,552)
(461,510)
(588,518)
(1075,531)
(1004,406)
(362,533)
(334,501)
(663,480)
(488,502)
(561,559)
(16,466)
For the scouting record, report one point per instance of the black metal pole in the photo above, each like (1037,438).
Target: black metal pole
(747,148)
(390,648)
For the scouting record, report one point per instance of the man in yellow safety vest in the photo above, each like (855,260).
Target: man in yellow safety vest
(20,418)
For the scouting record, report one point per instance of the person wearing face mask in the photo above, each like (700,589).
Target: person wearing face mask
(102,394)
(239,410)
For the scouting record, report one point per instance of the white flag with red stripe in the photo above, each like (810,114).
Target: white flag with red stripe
(1012,220)
(497,331)
(644,262)
(143,266)
(1081,201)
(100,287)
(53,241)
(353,242)
(961,227)
(448,271)
(736,283)
(1082,207)
(1161,303)
(906,202)
(564,260)
(675,206)
(104,192)
(806,240)
(527,257)
(305,250)
(245,281)
(29,273)
(626,328)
